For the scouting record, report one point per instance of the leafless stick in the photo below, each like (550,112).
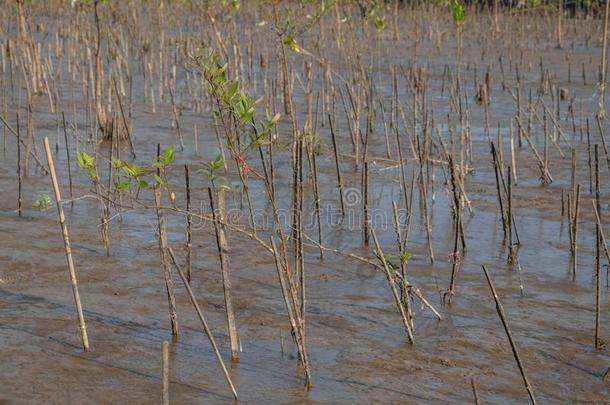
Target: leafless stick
(63,116)
(19,179)
(391,282)
(64,230)
(475,394)
(500,310)
(206,329)
(165,372)
(30,152)
(601,231)
(189,226)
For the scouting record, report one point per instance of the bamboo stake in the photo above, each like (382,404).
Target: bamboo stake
(68,250)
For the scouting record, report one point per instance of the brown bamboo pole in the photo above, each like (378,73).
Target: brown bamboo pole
(64,229)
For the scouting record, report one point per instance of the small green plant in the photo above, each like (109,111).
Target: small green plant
(128,175)
(87,162)
(43,203)
(379,22)
(459,14)
(212,169)
(401,258)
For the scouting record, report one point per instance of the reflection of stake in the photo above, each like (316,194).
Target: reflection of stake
(67,248)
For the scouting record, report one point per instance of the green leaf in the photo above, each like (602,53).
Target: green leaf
(404,257)
(80,160)
(218,162)
(43,203)
(247,116)
(88,159)
(84,160)
(158,179)
(232,91)
(122,186)
(379,23)
(291,43)
(143,184)
(168,156)
(275,119)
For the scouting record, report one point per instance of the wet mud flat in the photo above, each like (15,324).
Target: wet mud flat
(357,346)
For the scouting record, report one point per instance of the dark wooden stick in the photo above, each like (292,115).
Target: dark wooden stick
(500,310)
(189,225)
(165,371)
(63,117)
(19,179)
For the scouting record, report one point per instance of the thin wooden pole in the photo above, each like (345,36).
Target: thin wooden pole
(64,229)
(165,372)
(222,244)
(19,179)
(500,309)
(206,328)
